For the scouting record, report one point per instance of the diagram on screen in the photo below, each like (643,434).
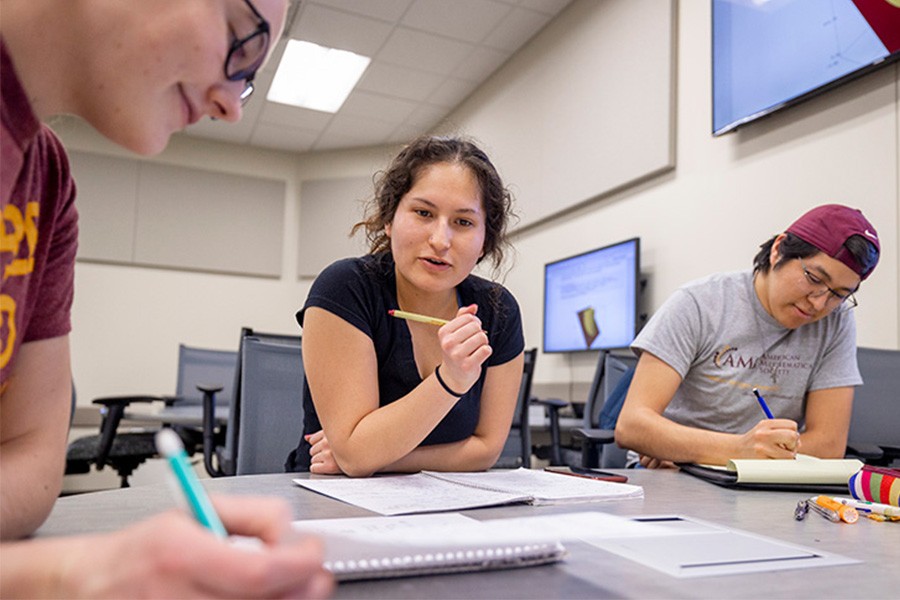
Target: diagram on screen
(589,327)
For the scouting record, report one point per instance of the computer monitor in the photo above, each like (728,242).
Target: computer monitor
(590,300)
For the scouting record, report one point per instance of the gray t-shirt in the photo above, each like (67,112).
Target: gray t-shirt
(715,333)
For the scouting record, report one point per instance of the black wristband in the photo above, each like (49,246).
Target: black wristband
(437,374)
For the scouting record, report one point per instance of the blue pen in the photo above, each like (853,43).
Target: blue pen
(762,403)
(169,445)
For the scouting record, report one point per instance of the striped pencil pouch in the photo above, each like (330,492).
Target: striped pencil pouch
(876,484)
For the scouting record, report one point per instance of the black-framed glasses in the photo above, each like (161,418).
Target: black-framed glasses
(247,54)
(819,288)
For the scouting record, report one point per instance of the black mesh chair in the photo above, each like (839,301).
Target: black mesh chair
(268,381)
(125,450)
(517,450)
(875,420)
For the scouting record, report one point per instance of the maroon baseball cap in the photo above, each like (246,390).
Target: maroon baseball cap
(827,227)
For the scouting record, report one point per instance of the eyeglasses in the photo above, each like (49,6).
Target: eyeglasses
(247,54)
(819,288)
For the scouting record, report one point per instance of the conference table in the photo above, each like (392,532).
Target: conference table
(586,571)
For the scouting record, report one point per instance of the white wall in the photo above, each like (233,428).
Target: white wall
(729,194)
(128,321)
(725,196)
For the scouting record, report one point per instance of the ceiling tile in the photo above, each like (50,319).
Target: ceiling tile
(517,28)
(336,29)
(451,92)
(391,80)
(405,134)
(423,51)
(425,117)
(361,127)
(293,116)
(549,7)
(428,56)
(386,10)
(280,137)
(481,63)
(375,106)
(468,20)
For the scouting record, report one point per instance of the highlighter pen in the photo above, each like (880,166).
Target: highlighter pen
(762,403)
(169,445)
(846,513)
(400,314)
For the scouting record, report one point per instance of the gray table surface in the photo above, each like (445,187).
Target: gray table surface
(586,572)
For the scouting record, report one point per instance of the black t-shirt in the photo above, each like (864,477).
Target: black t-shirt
(362,291)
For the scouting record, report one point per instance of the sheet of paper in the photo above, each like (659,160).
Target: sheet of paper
(405,494)
(685,547)
(544,487)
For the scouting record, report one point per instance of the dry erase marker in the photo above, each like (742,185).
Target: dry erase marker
(762,403)
(169,445)
(871,507)
(401,314)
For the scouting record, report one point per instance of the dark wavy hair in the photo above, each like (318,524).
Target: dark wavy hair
(792,247)
(392,184)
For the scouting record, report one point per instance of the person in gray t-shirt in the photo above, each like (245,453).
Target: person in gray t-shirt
(786,330)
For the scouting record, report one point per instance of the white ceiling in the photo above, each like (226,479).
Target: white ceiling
(427,57)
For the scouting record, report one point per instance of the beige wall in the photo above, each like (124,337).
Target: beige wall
(728,194)
(725,196)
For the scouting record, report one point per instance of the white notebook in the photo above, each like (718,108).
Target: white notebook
(383,547)
(436,492)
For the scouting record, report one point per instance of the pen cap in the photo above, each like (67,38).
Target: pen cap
(168,443)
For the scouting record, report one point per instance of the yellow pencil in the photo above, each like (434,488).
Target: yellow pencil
(400,314)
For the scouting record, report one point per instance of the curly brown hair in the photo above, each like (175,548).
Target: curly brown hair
(391,185)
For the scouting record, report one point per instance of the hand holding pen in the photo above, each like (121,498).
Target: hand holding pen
(771,437)
(296,566)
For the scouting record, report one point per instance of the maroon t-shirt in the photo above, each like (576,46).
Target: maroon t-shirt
(39,234)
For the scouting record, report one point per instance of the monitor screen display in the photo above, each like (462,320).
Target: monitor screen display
(590,300)
(768,55)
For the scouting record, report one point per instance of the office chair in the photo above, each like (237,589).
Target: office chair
(268,387)
(125,451)
(271,404)
(517,450)
(612,378)
(875,420)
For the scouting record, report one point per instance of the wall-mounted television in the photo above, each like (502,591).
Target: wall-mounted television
(591,300)
(769,54)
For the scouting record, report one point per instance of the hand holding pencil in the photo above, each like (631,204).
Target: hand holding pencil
(464,345)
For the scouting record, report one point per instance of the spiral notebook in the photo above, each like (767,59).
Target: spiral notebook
(385,547)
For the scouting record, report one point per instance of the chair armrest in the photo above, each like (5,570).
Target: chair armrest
(209,425)
(551,403)
(867,452)
(594,436)
(552,406)
(114,408)
(124,400)
(171,400)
